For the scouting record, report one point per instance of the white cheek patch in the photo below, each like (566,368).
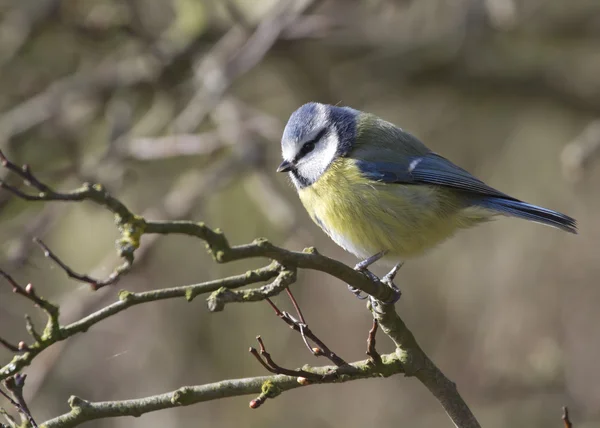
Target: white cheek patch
(316,163)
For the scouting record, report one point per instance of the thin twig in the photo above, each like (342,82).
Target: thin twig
(275,368)
(8,345)
(28,292)
(296,306)
(96,193)
(31,329)
(15,385)
(94,283)
(371,342)
(58,333)
(25,173)
(565,418)
(302,324)
(296,325)
(130,227)
(256,355)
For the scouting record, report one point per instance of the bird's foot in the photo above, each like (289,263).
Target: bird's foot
(356,292)
(363,267)
(388,280)
(369,275)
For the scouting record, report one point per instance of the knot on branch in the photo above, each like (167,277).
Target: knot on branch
(131,234)
(269,389)
(125,295)
(78,404)
(262,243)
(180,396)
(216,243)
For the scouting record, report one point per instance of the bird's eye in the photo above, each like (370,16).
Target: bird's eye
(308,147)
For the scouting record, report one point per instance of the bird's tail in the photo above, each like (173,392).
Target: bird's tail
(527,211)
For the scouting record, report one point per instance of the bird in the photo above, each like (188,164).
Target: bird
(379,193)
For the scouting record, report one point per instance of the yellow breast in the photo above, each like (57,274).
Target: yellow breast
(365,217)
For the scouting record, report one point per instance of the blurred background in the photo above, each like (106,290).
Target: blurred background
(177,106)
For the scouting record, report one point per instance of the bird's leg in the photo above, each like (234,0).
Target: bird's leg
(389,277)
(363,267)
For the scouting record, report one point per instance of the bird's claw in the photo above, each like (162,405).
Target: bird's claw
(356,292)
(388,280)
(360,267)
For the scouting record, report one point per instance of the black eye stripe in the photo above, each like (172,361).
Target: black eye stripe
(319,136)
(309,146)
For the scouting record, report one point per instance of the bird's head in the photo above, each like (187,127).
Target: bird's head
(315,135)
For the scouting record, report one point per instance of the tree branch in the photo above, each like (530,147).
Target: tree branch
(269,386)
(15,385)
(410,356)
(126,300)
(218,299)
(301,327)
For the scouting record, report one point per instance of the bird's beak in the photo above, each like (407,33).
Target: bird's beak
(285,166)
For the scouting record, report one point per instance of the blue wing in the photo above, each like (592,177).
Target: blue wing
(427,169)
(433,169)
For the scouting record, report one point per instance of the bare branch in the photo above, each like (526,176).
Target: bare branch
(29,292)
(267,386)
(418,364)
(414,361)
(126,300)
(15,385)
(93,282)
(305,331)
(95,193)
(31,329)
(371,342)
(184,196)
(223,296)
(128,224)
(8,345)
(273,367)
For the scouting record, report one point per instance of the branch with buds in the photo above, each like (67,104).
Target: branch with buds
(408,359)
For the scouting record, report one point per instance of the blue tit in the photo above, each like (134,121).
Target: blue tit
(378,192)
